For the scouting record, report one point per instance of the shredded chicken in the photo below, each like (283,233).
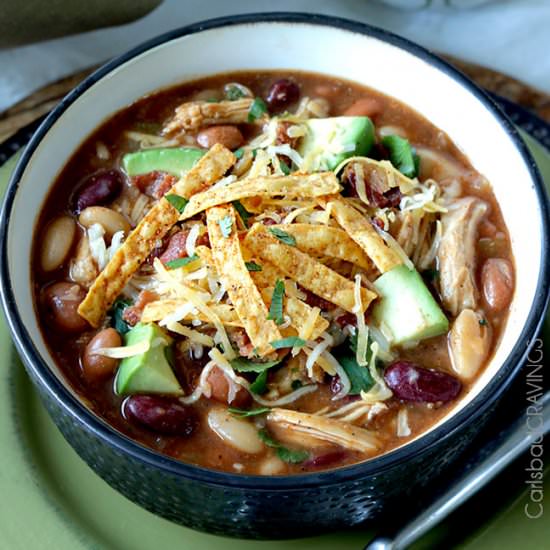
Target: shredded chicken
(456,254)
(196,114)
(83,269)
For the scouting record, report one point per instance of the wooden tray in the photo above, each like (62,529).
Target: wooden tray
(44,99)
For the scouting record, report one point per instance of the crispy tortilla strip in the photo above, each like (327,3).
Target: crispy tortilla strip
(141,241)
(323,240)
(158,310)
(293,186)
(363,233)
(242,291)
(305,270)
(194,114)
(297,310)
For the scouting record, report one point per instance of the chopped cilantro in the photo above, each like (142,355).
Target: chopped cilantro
(181,262)
(226,223)
(116,315)
(283,236)
(296,384)
(284,167)
(402,155)
(253,266)
(289,342)
(242,364)
(242,413)
(239,153)
(276,307)
(359,376)
(483,322)
(286,455)
(243,212)
(179,203)
(233,92)
(211,100)
(259,385)
(257,109)
(431,274)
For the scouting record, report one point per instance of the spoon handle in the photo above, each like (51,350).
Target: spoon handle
(498,454)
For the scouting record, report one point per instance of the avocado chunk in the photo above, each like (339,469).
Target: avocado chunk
(148,372)
(175,161)
(407,311)
(329,141)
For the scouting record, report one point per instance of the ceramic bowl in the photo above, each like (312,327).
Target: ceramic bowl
(253,506)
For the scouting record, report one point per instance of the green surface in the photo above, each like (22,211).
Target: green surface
(51,499)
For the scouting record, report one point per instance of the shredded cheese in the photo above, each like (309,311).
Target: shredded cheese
(193,335)
(403,429)
(362,329)
(121,352)
(191,240)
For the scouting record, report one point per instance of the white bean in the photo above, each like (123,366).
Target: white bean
(57,242)
(469,342)
(238,433)
(110,220)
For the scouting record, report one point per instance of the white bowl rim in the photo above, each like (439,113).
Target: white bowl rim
(477,407)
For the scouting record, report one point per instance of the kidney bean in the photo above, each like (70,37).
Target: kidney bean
(497,281)
(220,390)
(366,106)
(100,188)
(155,184)
(226,135)
(346,319)
(62,301)
(161,414)
(326,460)
(412,383)
(282,93)
(95,367)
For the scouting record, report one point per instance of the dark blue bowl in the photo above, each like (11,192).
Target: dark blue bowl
(255,506)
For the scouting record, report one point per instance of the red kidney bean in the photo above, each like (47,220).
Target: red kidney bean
(62,300)
(282,93)
(326,460)
(497,280)
(346,319)
(412,383)
(100,188)
(161,414)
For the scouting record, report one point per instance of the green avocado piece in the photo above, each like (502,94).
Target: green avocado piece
(175,161)
(148,372)
(406,308)
(331,140)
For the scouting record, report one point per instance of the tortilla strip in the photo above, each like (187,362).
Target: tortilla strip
(363,233)
(194,114)
(323,240)
(305,270)
(159,309)
(297,310)
(141,241)
(292,186)
(242,291)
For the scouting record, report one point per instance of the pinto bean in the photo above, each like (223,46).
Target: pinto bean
(62,300)
(57,242)
(239,433)
(497,281)
(161,414)
(410,382)
(283,92)
(366,106)
(110,220)
(225,134)
(101,188)
(97,367)
(220,390)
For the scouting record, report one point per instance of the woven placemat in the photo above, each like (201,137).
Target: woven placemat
(43,100)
